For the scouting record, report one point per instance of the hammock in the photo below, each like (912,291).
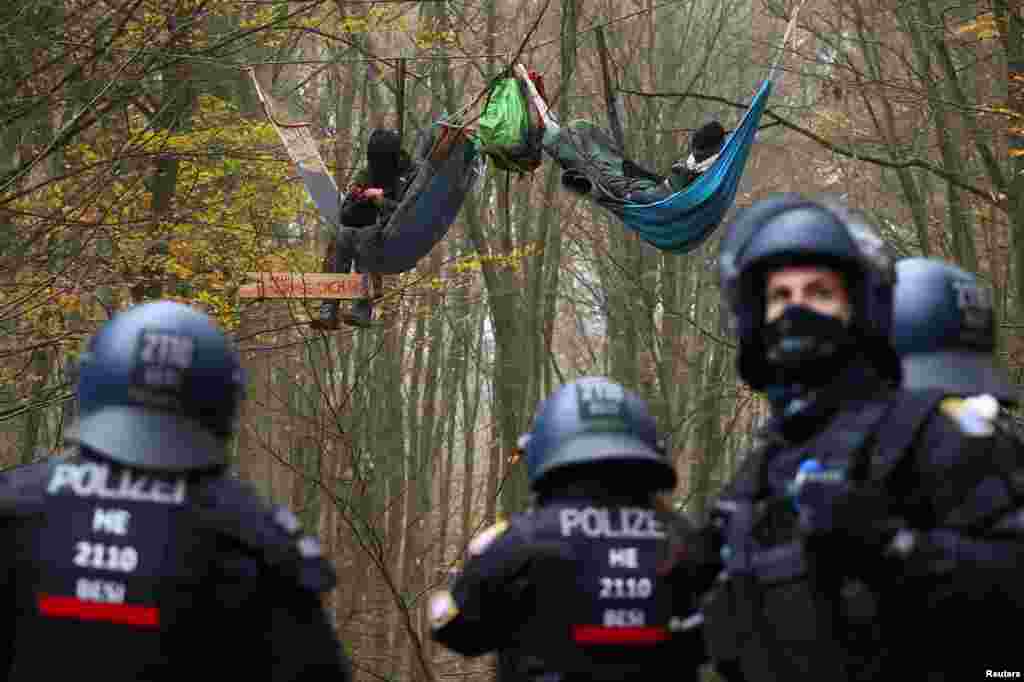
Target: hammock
(682,221)
(448,164)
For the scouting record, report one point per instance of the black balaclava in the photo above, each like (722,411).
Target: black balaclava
(805,350)
(806,347)
(384,159)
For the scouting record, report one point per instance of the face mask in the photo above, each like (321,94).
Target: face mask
(805,347)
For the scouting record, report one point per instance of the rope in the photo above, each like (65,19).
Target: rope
(785,39)
(400,98)
(508,200)
(457,119)
(266,106)
(609,95)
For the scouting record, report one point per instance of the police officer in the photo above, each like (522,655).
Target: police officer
(845,529)
(136,556)
(572,589)
(944,331)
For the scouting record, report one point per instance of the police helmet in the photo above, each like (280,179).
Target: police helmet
(594,420)
(944,331)
(159,387)
(790,229)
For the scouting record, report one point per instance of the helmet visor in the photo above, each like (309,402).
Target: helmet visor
(605,447)
(149,439)
(960,373)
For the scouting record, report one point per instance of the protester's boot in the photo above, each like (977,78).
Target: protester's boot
(361,314)
(328,317)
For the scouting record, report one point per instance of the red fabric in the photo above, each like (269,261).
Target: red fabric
(538,81)
(597,634)
(358,192)
(122,614)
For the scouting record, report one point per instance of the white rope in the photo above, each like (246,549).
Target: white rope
(785,40)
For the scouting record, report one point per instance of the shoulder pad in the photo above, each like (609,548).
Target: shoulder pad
(974,416)
(22,488)
(484,539)
(442,609)
(233,508)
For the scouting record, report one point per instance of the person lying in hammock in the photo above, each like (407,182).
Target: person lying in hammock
(593,164)
(375,193)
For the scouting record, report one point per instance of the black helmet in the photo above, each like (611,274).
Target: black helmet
(594,420)
(789,229)
(944,331)
(159,387)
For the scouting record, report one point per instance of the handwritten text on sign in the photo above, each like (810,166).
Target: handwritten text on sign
(302,285)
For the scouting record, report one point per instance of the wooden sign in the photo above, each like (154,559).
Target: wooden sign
(302,285)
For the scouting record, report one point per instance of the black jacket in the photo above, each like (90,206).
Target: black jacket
(846,606)
(358,211)
(572,590)
(143,576)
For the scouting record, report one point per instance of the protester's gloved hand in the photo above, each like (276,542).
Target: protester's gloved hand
(829,505)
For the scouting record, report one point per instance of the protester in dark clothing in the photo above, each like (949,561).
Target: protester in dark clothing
(372,198)
(593,164)
(705,146)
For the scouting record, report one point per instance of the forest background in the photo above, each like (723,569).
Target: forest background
(136,163)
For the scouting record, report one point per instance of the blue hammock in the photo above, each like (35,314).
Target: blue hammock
(681,222)
(593,167)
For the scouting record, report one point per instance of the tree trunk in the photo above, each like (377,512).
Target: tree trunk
(885,124)
(1013,44)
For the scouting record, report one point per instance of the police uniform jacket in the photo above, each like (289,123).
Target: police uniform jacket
(847,606)
(119,574)
(573,590)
